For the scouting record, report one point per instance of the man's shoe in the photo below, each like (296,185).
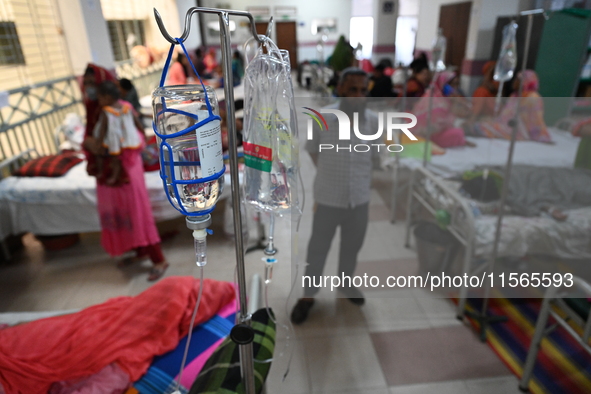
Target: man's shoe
(354,295)
(300,311)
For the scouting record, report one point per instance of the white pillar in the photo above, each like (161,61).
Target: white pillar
(385,14)
(194,39)
(86,34)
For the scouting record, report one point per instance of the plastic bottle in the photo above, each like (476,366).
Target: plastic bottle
(196,153)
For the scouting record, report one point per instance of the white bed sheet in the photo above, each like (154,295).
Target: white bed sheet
(53,206)
(521,236)
(67,204)
(494,152)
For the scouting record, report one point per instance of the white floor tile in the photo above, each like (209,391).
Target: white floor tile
(455,387)
(394,314)
(345,362)
(502,385)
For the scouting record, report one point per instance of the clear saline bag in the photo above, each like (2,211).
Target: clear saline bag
(438,52)
(188,127)
(508,55)
(271,149)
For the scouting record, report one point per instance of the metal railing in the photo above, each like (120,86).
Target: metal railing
(33,114)
(145,80)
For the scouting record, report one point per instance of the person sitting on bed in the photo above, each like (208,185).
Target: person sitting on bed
(530,124)
(583,130)
(123,204)
(446,105)
(421,77)
(483,105)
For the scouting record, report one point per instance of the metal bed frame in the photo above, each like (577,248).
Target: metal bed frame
(554,300)
(462,218)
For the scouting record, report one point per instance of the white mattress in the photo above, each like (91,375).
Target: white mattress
(494,152)
(65,205)
(53,206)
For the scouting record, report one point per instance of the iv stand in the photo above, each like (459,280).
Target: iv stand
(482,318)
(242,333)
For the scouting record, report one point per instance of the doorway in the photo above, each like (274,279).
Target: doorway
(287,39)
(261,27)
(454,19)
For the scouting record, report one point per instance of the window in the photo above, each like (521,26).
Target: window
(11,52)
(124,35)
(361,32)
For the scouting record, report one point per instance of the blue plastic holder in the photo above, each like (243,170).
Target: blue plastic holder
(170,163)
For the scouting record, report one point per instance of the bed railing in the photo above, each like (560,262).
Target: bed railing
(435,195)
(34,112)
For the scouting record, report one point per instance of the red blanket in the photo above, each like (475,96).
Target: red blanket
(128,331)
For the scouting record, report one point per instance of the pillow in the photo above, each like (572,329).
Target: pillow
(49,166)
(221,372)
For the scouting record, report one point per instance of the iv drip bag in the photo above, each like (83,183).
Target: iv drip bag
(271,150)
(438,53)
(507,61)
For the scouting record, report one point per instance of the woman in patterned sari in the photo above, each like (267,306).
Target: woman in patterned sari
(530,123)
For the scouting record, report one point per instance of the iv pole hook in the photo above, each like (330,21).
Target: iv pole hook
(194,10)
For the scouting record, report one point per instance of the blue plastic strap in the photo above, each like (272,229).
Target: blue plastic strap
(170,164)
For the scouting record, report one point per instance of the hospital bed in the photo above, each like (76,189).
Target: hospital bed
(520,236)
(488,152)
(63,205)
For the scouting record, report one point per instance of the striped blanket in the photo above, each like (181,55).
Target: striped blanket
(562,366)
(162,375)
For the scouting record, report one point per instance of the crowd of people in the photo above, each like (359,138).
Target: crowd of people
(444,113)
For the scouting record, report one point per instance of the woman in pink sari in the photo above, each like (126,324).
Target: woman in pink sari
(530,123)
(124,209)
(446,106)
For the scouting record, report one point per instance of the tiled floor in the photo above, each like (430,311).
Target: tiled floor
(402,341)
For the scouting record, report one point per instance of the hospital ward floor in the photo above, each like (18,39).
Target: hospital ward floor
(401,341)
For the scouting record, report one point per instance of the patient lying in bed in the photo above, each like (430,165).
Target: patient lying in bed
(533,191)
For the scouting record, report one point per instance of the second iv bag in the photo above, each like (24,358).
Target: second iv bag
(270,133)
(508,56)
(438,53)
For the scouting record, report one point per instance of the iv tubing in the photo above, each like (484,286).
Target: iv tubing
(178,382)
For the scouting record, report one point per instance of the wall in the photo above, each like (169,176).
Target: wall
(429,21)
(384,34)
(307,10)
(194,39)
(143,10)
(43,45)
(480,31)
(481,35)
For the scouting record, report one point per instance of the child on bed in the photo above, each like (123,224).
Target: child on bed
(116,130)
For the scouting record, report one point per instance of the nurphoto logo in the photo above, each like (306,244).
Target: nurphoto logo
(391,119)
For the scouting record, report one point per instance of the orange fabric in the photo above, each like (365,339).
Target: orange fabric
(485,104)
(128,331)
(488,66)
(481,91)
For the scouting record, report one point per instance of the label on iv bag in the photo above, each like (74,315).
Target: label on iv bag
(257,156)
(209,137)
(209,141)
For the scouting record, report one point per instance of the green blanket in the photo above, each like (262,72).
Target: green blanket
(221,372)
